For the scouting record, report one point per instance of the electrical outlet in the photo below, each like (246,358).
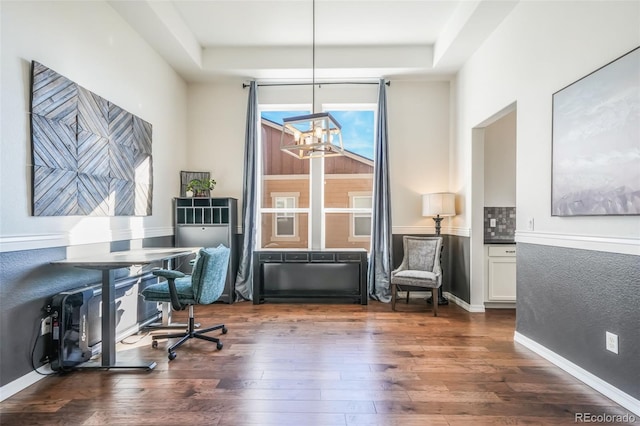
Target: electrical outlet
(492,223)
(612,342)
(530,224)
(45,326)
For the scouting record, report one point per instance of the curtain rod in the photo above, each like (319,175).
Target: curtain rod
(245,85)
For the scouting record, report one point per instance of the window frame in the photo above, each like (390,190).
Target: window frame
(288,212)
(358,214)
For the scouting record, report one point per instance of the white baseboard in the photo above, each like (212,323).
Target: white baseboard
(611,392)
(464,305)
(24,382)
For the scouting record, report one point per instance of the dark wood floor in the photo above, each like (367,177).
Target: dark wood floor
(311,364)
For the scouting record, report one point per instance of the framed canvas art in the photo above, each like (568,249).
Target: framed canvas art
(596,142)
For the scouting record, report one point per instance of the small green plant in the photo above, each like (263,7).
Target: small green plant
(199,187)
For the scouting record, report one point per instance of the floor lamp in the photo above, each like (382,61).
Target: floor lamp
(439,205)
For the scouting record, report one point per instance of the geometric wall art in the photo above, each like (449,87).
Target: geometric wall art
(90,157)
(596,142)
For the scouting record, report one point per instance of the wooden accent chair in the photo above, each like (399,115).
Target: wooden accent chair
(420,268)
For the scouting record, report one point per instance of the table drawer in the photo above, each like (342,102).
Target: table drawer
(502,251)
(349,257)
(270,257)
(323,257)
(296,257)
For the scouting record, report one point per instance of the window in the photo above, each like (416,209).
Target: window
(348,180)
(322,202)
(285,225)
(361,222)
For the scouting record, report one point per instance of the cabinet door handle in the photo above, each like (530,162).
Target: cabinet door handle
(510,251)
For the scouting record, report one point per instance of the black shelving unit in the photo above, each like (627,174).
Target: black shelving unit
(208,222)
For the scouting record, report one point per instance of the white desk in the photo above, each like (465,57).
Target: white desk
(108,263)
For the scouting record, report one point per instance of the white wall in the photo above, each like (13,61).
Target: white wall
(519,62)
(538,49)
(216,122)
(500,162)
(419,141)
(91,45)
(418,126)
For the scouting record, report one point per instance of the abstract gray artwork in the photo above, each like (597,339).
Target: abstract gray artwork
(596,142)
(90,157)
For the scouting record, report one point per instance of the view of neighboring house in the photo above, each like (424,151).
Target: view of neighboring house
(348,182)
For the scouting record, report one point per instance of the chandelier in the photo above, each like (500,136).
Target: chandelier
(312,135)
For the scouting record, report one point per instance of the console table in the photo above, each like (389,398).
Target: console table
(310,275)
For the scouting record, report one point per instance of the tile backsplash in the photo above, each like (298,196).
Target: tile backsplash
(505,229)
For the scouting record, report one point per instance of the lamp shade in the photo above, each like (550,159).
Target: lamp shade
(439,204)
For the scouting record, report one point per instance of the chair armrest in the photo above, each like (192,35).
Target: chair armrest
(167,273)
(171,276)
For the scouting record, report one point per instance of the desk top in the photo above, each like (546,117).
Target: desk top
(123,259)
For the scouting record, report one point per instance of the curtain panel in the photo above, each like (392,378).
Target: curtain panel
(244,277)
(380,262)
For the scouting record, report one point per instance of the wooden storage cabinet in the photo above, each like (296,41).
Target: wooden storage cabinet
(208,222)
(501,275)
(310,275)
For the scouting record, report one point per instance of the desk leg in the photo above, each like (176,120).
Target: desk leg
(109,329)
(108,318)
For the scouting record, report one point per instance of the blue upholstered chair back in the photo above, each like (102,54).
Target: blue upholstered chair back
(209,274)
(205,284)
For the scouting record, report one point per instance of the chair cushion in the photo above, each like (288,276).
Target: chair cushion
(424,279)
(421,254)
(160,292)
(421,275)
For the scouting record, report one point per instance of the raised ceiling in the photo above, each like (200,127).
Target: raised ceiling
(271,40)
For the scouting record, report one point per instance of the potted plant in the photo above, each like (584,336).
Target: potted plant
(199,187)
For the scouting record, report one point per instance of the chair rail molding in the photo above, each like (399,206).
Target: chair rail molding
(41,241)
(585,242)
(428,230)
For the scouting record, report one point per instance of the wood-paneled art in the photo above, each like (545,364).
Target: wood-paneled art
(90,157)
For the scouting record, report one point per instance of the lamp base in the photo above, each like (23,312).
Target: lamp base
(441,299)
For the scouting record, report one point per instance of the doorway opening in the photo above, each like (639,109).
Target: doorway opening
(493,248)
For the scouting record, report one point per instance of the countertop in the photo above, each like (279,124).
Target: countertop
(499,242)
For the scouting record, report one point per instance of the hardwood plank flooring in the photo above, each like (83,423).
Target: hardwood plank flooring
(321,364)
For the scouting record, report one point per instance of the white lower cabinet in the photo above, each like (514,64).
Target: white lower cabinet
(501,273)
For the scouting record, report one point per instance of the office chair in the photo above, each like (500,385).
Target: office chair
(204,286)
(420,268)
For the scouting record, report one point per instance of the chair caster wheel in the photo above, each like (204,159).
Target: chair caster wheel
(172,356)
(154,344)
(224,330)
(219,345)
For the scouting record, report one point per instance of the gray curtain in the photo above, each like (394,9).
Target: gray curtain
(380,262)
(244,278)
